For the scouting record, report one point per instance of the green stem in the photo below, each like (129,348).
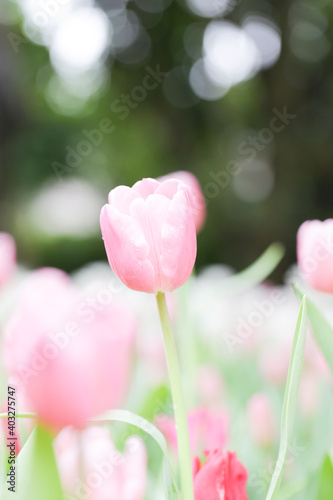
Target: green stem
(187,348)
(178,401)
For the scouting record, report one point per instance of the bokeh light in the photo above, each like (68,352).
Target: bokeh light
(68,209)
(211,8)
(81,40)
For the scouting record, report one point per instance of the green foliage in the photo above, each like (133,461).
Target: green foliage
(325,491)
(290,400)
(36,471)
(321,328)
(257,272)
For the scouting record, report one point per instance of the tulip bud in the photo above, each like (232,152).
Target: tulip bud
(105,472)
(7,258)
(207,430)
(315,253)
(261,419)
(221,476)
(149,235)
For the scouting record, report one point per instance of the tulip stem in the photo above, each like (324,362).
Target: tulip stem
(184,451)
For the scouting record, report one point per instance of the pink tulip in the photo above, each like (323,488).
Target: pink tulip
(315,253)
(309,393)
(207,430)
(149,235)
(198,199)
(261,419)
(152,359)
(221,476)
(210,384)
(71,368)
(105,473)
(274,364)
(7,258)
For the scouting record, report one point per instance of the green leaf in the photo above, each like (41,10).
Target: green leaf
(292,489)
(321,329)
(170,487)
(36,474)
(19,415)
(290,399)
(157,401)
(257,272)
(326,480)
(170,484)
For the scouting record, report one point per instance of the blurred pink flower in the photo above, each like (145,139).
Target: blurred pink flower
(149,235)
(106,473)
(274,363)
(210,384)
(198,199)
(222,476)
(315,253)
(152,357)
(309,393)
(261,419)
(71,369)
(207,430)
(7,258)
(315,358)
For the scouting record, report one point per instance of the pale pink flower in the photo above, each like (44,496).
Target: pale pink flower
(261,419)
(105,473)
(210,385)
(207,430)
(7,258)
(149,235)
(198,199)
(309,393)
(71,368)
(274,363)
(315,253)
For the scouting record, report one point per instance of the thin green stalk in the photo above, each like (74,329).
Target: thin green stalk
(184,451)
(187,346)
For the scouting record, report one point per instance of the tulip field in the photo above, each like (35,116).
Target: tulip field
(139,378)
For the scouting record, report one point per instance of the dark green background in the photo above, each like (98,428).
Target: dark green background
(157,138)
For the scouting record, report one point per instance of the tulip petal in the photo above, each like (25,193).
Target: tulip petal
(168,188)
(134,467)
(179,244)
(146,187)
(315,253)
(127,249)
(150,215)
(122,197)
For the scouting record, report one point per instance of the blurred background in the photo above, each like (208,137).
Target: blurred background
(99,93)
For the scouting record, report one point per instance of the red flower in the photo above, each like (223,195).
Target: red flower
(221,477)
